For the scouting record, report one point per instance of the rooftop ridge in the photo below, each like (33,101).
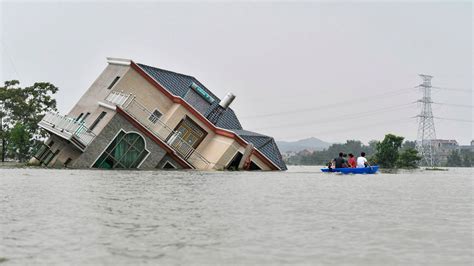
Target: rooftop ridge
(183,75)
(166,70)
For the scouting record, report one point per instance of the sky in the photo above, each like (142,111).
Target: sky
(331,70)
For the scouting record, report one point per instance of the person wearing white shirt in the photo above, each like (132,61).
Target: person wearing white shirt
(361,161)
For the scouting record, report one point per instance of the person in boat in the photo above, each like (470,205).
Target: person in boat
(362,161)
(352,163)
(340,162)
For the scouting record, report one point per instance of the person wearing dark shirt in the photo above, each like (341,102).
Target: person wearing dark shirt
(340,162)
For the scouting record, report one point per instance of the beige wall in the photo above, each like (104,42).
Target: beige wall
(145,93)
(66,150)
(89,102)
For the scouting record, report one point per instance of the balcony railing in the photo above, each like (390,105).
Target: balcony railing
(159,129)
(118,98)
(68,128)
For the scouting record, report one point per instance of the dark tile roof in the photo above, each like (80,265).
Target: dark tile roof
(265,144)
(179,85)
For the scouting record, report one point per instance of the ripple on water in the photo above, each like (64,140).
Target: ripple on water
(299,217)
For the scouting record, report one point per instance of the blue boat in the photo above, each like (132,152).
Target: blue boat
(367,170)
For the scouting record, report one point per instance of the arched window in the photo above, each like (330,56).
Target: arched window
(127,150)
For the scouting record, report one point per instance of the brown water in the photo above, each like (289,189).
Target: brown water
(296,217)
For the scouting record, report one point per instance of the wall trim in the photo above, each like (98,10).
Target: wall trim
(119,61)
(105,105)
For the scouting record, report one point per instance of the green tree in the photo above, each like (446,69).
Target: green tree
(408,144)
(454,159)
(408,158)
(25,106)
(19,144)
(387,151)
(467,158)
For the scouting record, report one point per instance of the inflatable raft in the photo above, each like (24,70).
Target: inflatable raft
(366,170)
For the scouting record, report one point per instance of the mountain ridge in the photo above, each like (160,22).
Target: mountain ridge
(312,144)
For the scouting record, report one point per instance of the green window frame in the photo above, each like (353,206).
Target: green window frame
(126,151)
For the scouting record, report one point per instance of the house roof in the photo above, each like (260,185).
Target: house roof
(179,85)
(264,144)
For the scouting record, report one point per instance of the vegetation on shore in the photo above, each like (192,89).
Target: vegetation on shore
(391,152)
(463,158)
(20,111)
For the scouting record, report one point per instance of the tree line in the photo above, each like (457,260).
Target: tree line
(391,152)
(462,158)
(20,111)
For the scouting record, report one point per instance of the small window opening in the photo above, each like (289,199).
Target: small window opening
(254,166)
(168,165)
(67,162)
(84,118)
(97,120)
(113,82)
(79,117)
(155,116)
(234,164)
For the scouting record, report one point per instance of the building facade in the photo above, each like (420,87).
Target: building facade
(139,116)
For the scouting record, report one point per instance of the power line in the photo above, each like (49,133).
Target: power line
(10,58)
(454,119)
(352,129)
(342,117)
(455,105)
(351,101)
(452,89)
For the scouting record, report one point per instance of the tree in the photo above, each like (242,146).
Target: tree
(20,142)
(408,158)
(408,144)
(454,159)
(387,151)
(467,158)
(21,109)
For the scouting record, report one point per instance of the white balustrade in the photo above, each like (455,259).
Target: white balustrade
(68,126)
(118,98)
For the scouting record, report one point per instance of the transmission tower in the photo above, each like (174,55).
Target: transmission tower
(426,127)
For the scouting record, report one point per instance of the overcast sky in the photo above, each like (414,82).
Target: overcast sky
(334,71)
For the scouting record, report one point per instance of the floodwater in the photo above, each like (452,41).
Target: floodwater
(187,217)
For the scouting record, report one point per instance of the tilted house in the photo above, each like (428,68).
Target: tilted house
(138,116)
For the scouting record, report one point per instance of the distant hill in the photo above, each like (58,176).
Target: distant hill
(312,144)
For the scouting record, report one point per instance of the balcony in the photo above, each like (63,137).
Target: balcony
(68,128)
(154,125)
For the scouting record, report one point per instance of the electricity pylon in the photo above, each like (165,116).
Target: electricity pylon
(426,127)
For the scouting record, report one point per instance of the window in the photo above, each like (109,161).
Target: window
(67,162)
(234,164)
(97,120)
(113,82)
(84,118)
(168,165)
(254,167)
(127,150)
(79,117)
(155,116)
